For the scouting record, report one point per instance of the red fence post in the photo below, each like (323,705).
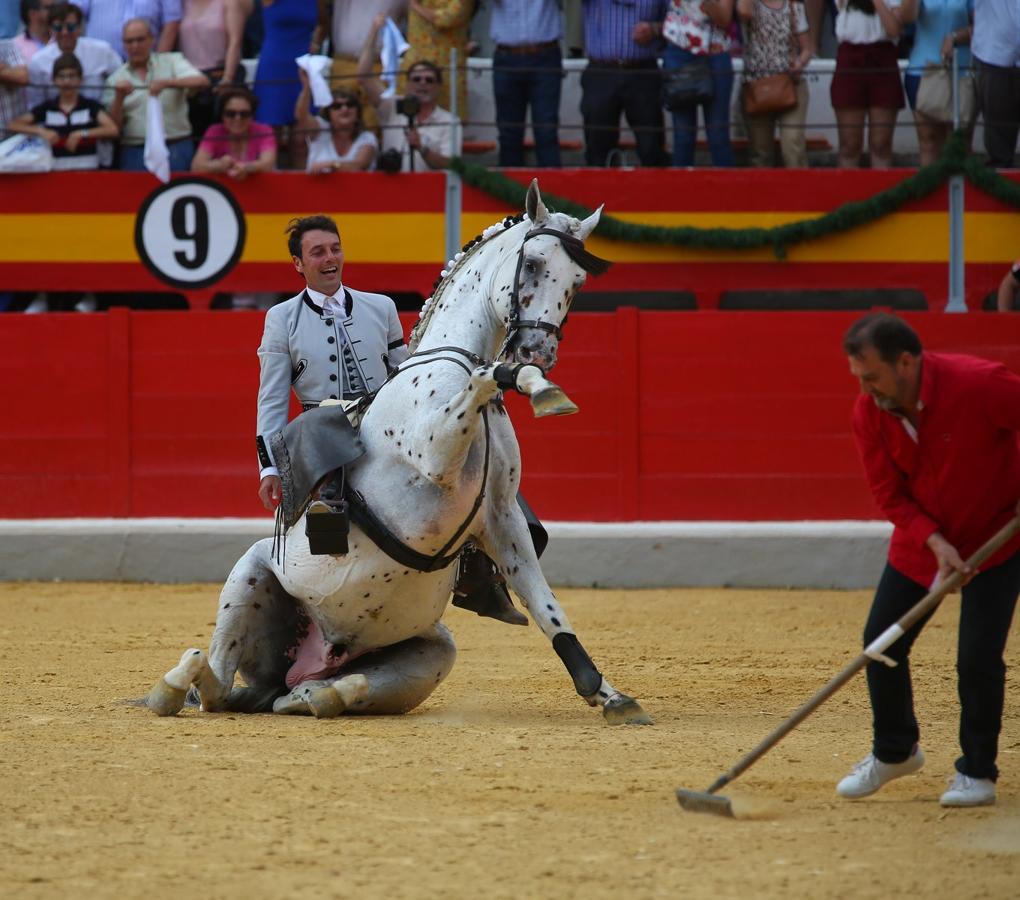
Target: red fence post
(119,409)
(628,412)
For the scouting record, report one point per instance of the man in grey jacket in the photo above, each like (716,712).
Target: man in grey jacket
(331,342)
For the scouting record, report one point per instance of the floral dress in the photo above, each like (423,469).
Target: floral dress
(690,29)
(434,42)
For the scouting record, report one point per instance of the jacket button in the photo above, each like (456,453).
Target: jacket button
(331,340)
(332,358)
(332,397)
(329,321)
(332,377)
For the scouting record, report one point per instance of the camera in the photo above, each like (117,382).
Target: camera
(389,161)
(408,106)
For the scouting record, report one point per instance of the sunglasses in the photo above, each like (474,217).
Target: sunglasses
(343,104)
(423,79)
(237,114)
(69,27)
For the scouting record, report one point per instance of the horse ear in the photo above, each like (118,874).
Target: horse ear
(589,224)
(534,206)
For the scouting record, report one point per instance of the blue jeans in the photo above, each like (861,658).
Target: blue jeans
(716,111)
(131,157)
(520,80)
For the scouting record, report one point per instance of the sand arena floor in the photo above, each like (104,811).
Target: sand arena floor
(504,784)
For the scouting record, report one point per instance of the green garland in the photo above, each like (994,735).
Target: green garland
(953,161)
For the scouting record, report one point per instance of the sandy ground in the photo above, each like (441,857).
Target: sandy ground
(504,784)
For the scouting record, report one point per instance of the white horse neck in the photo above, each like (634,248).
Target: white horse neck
(473,302)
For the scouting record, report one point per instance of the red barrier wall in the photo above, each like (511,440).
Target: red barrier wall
(700,415)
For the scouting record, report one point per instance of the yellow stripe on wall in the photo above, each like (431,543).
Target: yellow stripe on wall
(83,237)
(419,238)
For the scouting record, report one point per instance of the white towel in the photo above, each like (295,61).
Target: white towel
(155,154)
(317,67)
(393,47)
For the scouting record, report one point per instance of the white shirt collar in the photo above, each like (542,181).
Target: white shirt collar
(336,304)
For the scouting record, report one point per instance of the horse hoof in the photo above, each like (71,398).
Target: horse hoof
(334,699)
(168,695)
(551,401)
(165,700)
(623,710)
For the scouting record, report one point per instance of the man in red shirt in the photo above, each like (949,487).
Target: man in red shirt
(937,434)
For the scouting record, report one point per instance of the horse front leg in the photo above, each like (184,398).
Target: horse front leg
(547,398)
(515,555)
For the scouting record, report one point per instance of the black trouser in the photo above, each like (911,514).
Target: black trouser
(999,98)
(636,92)
(986,611)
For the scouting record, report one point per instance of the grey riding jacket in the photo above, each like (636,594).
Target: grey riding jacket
(321,356)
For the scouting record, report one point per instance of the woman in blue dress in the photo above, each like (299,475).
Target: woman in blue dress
(942,26)
(290,31)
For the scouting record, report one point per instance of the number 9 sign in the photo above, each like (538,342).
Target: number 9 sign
(190,232)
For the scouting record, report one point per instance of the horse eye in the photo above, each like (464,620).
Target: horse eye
(529,267)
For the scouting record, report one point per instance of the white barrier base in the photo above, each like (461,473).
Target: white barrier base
(580,554)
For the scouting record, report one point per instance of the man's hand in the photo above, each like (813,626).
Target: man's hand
(123,88)
(948,559)
(643,33)
(50,136)
(271,492)
(73,139)
(413,138)
(159,85)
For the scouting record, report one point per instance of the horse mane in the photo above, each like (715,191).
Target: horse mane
(452,267)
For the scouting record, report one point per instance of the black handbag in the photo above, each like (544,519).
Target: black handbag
(689,85)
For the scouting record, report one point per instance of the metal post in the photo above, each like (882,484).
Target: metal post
(956,303)
(453,185)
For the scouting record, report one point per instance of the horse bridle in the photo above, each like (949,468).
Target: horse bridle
(574,248)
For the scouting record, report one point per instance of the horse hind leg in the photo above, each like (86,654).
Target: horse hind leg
(385,682)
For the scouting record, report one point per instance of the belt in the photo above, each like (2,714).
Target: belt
(526,49)
(623,64)
(169,141)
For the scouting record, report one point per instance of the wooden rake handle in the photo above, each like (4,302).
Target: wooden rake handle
(874,651)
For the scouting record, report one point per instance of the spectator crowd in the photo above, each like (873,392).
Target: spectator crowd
(324,96)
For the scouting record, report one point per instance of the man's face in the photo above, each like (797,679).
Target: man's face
(890,385)
(66,33)
(67,78)
(137,43)
(321,261)
(423,84)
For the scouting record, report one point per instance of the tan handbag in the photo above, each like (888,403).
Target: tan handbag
(770,95)
(935,95)
(773,94)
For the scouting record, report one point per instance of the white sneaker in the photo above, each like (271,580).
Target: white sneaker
(871,773)
(967,791)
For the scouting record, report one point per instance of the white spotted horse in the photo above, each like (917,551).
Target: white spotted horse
(441,467)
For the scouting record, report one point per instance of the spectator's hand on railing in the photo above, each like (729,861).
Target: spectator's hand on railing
(158,85)
(74,139)
(948,43)
(123,88)
(50,136)
(645,32)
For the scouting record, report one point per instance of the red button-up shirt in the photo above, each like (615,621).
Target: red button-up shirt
(959,474)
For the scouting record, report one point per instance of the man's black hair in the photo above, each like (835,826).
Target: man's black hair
(888,334)
(64,62)
(298,228)
(59,12)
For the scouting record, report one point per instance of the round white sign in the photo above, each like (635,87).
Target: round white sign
(190,232)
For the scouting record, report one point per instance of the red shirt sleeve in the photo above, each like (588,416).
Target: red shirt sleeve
(887,482)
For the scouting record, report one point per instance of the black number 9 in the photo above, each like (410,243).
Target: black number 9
(189,219)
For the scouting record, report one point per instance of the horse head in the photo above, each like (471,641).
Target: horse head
(551,266)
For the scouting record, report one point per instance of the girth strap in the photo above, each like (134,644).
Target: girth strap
(393,547)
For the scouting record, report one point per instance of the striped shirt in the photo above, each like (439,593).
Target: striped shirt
(609,28)
(105,18)
(12,97)
(517,22)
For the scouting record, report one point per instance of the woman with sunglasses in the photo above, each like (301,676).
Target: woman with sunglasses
(337,139)
(238,146)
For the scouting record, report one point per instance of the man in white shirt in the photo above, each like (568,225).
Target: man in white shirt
(995,45)
(415,130)
(98,59)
